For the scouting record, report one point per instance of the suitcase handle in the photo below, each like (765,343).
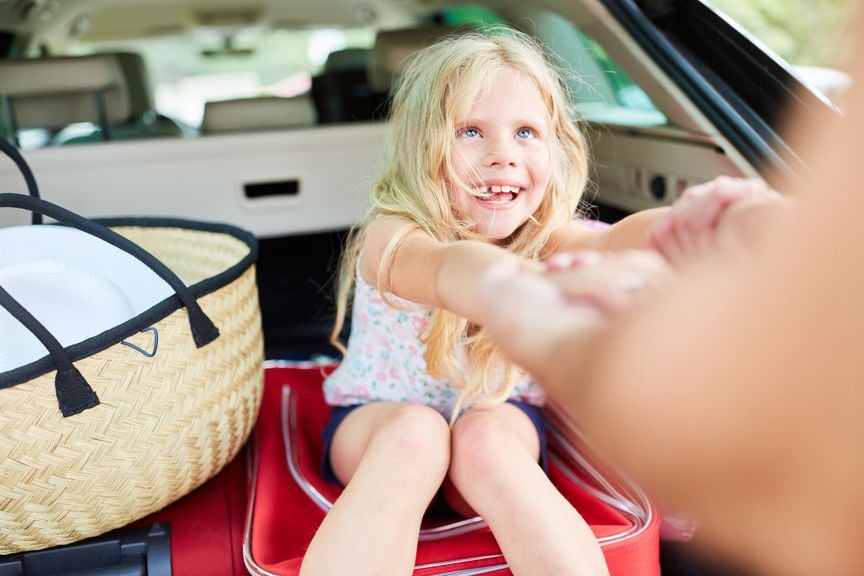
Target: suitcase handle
(74,394)
(124,552)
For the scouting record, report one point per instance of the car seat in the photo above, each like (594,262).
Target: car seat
(143,122)
(342,92)
(261,113)
(393,49)
(51,93)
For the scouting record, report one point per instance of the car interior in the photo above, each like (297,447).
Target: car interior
(271,115)
(293,158)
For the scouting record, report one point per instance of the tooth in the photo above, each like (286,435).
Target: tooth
(496,189)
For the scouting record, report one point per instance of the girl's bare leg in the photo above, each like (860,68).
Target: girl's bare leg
(494,467)
(392,458)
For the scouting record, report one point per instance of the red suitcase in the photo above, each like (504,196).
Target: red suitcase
(288,498)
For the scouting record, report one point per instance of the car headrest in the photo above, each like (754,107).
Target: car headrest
(392,49)
(134,71)
(347,59)
(263,113)
(56,92)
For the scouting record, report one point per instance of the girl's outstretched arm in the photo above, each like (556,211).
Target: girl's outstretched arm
(630,233)
(427,271)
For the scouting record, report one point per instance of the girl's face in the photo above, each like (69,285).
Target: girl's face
(502,150)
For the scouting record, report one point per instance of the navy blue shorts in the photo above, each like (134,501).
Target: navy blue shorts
(338,414)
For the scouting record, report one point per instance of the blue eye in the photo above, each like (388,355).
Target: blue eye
(468,132)
(525,133)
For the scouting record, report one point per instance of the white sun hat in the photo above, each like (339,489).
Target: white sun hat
(83,289)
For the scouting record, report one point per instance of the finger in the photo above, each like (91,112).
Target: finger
(688,219)
(615,283)
(662,239)
(696,217)
(566,260)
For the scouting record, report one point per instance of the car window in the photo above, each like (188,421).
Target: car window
(804,33)
(602,91)
(216,66)
(185,71)
(624,101)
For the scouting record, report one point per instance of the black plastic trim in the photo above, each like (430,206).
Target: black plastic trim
(124,552)
(742,90)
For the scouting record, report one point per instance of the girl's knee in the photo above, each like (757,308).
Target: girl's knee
(416,433)
(479,440)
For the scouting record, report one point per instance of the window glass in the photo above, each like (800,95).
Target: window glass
(607,94)
(470,14)
(602,92)
(187,72)
(809,34)
(806,32)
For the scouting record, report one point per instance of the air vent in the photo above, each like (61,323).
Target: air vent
(222,18)
(25,9)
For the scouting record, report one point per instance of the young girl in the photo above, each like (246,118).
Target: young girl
(485,163)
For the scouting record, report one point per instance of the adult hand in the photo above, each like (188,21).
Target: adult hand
(691,228)
(609,281)
(530,315)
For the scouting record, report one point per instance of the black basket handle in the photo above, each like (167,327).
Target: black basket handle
(19,161)
(73,393)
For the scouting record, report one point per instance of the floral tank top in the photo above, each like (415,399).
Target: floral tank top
(385,358)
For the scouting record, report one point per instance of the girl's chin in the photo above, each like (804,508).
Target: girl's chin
(497,234)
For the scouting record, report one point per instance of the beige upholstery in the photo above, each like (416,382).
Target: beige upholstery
(134,71)
(264,113)
(55,92)
(392,49)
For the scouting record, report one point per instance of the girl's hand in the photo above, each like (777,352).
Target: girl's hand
(690,228)
(528,311)
(608,281)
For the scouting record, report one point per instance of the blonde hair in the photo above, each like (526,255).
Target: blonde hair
(438,87)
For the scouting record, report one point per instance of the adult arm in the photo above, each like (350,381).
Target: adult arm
(738,394)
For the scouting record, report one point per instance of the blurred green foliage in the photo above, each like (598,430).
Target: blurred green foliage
(808,32)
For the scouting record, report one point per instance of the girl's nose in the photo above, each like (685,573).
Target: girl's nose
(501,152)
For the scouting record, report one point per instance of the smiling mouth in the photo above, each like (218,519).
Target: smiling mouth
(497,195)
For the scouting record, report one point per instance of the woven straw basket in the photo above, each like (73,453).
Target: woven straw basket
(134,430)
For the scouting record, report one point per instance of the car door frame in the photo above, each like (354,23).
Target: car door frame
(743,88)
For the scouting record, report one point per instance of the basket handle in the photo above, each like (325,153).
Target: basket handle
(73,393)
(22,165)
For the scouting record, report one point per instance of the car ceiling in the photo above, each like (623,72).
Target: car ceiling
(105,20)
(53,23)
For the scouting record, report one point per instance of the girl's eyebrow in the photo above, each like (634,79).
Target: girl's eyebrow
(535,121)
